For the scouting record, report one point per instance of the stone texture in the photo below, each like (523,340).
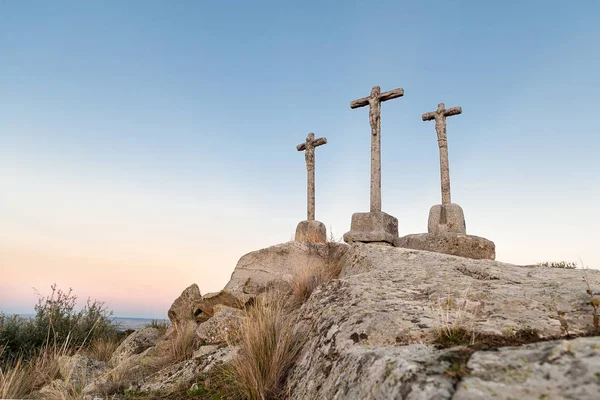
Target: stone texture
(182,375)
(389,297)
(78,370)
(566,369)
(446,219)
(309,148)
(185,307)
(205,350)
(374,102)
(372,227)
(274,266)
(223,324)
(224,297)
(311,232)
(439,116)
(468,246)
(135,343)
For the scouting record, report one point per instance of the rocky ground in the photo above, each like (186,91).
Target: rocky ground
(397,323)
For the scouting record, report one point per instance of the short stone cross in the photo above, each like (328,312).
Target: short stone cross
(440,127)
(309,148)
(374,103)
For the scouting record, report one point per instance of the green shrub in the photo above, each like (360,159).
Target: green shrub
(55,322)
(559,264)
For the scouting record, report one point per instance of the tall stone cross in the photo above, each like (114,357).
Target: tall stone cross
(309,148)
(374,103)
(440,127)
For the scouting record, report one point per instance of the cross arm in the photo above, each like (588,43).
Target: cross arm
(391,94)
(428,116)
(301,146)
(453,111)
(320,141)
(359,103)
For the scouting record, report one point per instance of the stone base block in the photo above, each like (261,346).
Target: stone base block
(447,218)
(455,244)
(373,227)
(311,232)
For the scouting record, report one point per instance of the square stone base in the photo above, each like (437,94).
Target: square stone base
(455,244)
(372,227)
(452,222)
(311,232)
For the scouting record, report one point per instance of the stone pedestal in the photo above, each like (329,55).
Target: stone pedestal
(447,218)
(455,244)
(373,227)
(311,232)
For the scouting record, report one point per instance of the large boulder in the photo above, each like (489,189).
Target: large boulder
(133,344)
(221,326)
(273,267)
(388,299)
(186,307)
(78,370)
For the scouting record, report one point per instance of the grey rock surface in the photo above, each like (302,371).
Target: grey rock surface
(78,370)
(372,227)
(565,369)
(186,306)
(391,298)
(311,232)
(183,374)
(225,297)
(133,344)
(273,267)
(220,326)
(455,244)
(448,218)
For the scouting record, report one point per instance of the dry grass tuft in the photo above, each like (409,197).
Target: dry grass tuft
(183,343)
(19,378)
(306,279)
(455,321)
(269,342)
(102,348)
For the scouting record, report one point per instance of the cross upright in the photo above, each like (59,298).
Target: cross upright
(309,148)
(440,127)
(374,103)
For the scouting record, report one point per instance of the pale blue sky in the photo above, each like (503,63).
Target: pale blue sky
(159,137)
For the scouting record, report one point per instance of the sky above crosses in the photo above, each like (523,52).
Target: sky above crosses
(148,145)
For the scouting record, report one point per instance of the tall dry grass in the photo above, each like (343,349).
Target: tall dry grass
(19,378)
(306,279)
(102,349)
(269,342)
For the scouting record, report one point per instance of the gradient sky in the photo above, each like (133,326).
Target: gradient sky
(148,145)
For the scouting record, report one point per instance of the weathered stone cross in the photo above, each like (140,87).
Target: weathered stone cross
(440,127)
(374,103)
(309,147)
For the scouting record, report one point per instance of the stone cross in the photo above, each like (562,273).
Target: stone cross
(309,147)
(374,103)
(440,127)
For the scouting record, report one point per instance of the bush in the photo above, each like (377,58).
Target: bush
(558,264)
(55,323)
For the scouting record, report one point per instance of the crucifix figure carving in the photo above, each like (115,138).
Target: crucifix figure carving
(309,148)
(440,127)
(374,103)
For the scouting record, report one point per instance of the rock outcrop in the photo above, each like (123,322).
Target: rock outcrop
(273,267)
(223,324)
(186,307)
(373,331)
(133,344)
